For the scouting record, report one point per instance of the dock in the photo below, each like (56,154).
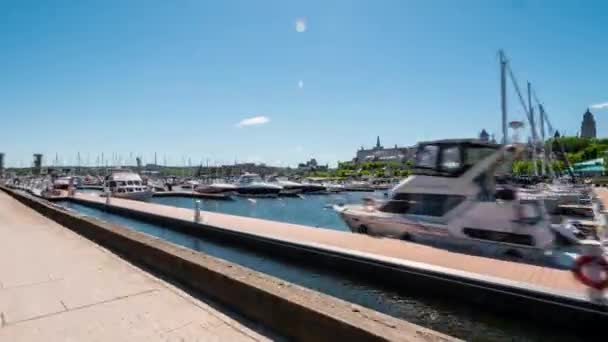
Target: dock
(56,286)
(515,287)
(191,194)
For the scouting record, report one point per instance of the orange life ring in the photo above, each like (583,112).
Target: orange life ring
(583,260)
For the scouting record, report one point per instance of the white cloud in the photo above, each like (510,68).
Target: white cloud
(602,105)
(301,25)
(254,121)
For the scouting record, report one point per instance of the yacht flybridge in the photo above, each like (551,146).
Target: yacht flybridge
(451,200)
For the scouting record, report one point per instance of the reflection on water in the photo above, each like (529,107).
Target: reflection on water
(469,323)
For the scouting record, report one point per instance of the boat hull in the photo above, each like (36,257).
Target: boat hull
(370,222)
(136,196)
(258,192)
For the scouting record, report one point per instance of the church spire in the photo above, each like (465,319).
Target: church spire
(378,142)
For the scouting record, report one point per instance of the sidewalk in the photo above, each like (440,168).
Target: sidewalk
(58,286)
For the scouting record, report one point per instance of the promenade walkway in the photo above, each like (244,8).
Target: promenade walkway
(57,286)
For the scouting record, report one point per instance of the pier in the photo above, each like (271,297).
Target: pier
(522,289)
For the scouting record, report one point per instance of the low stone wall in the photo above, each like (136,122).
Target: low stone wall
(288,309)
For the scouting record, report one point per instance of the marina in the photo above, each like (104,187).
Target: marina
(310,171)
(519,280)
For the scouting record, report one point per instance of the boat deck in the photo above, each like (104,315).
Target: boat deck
(544,279)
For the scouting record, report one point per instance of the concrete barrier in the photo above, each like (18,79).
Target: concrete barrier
(288,309)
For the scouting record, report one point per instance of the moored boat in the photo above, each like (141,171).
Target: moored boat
(125,184)
(451,201)
(252,185)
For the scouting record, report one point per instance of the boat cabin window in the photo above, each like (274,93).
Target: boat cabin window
(120,183)
(427,156)
(112,184)
(129,182)
(422,204)
(450,159)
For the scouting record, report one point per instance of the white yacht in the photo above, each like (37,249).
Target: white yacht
(361,186)
(451,201)
(126,184)
(289,188)
(217,189)
(189,184)
(252,185)
(63,183)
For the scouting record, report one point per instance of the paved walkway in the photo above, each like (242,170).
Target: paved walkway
(58,286)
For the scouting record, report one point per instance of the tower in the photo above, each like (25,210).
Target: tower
(37,164)
(484,136)
(1,164)
(378,146)
(588,125)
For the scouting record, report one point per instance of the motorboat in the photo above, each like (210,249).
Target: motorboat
(252,185)
(216,189)
(333,187)
(451,201)
(63,183)
(309,187)
(359,186)
(125,184)
(156,185)
(91,181)
(289,188)
(189,184)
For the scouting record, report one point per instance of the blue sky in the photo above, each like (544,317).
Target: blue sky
(177,77)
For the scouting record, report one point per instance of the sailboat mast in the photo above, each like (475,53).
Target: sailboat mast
(543,166)
(533,128)
(503,94)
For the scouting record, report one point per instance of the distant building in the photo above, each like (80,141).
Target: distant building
(378,152)
(484,136)
(37,164)
(312,165)
(588,125)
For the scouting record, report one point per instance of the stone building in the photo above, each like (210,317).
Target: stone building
(588,125)
(380,153)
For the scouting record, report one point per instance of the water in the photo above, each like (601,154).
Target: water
(469,323)
(311,210)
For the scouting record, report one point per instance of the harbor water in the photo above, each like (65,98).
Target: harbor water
(469,323)
(308,210)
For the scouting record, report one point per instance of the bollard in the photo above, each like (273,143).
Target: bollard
(107,197)
(197,211)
